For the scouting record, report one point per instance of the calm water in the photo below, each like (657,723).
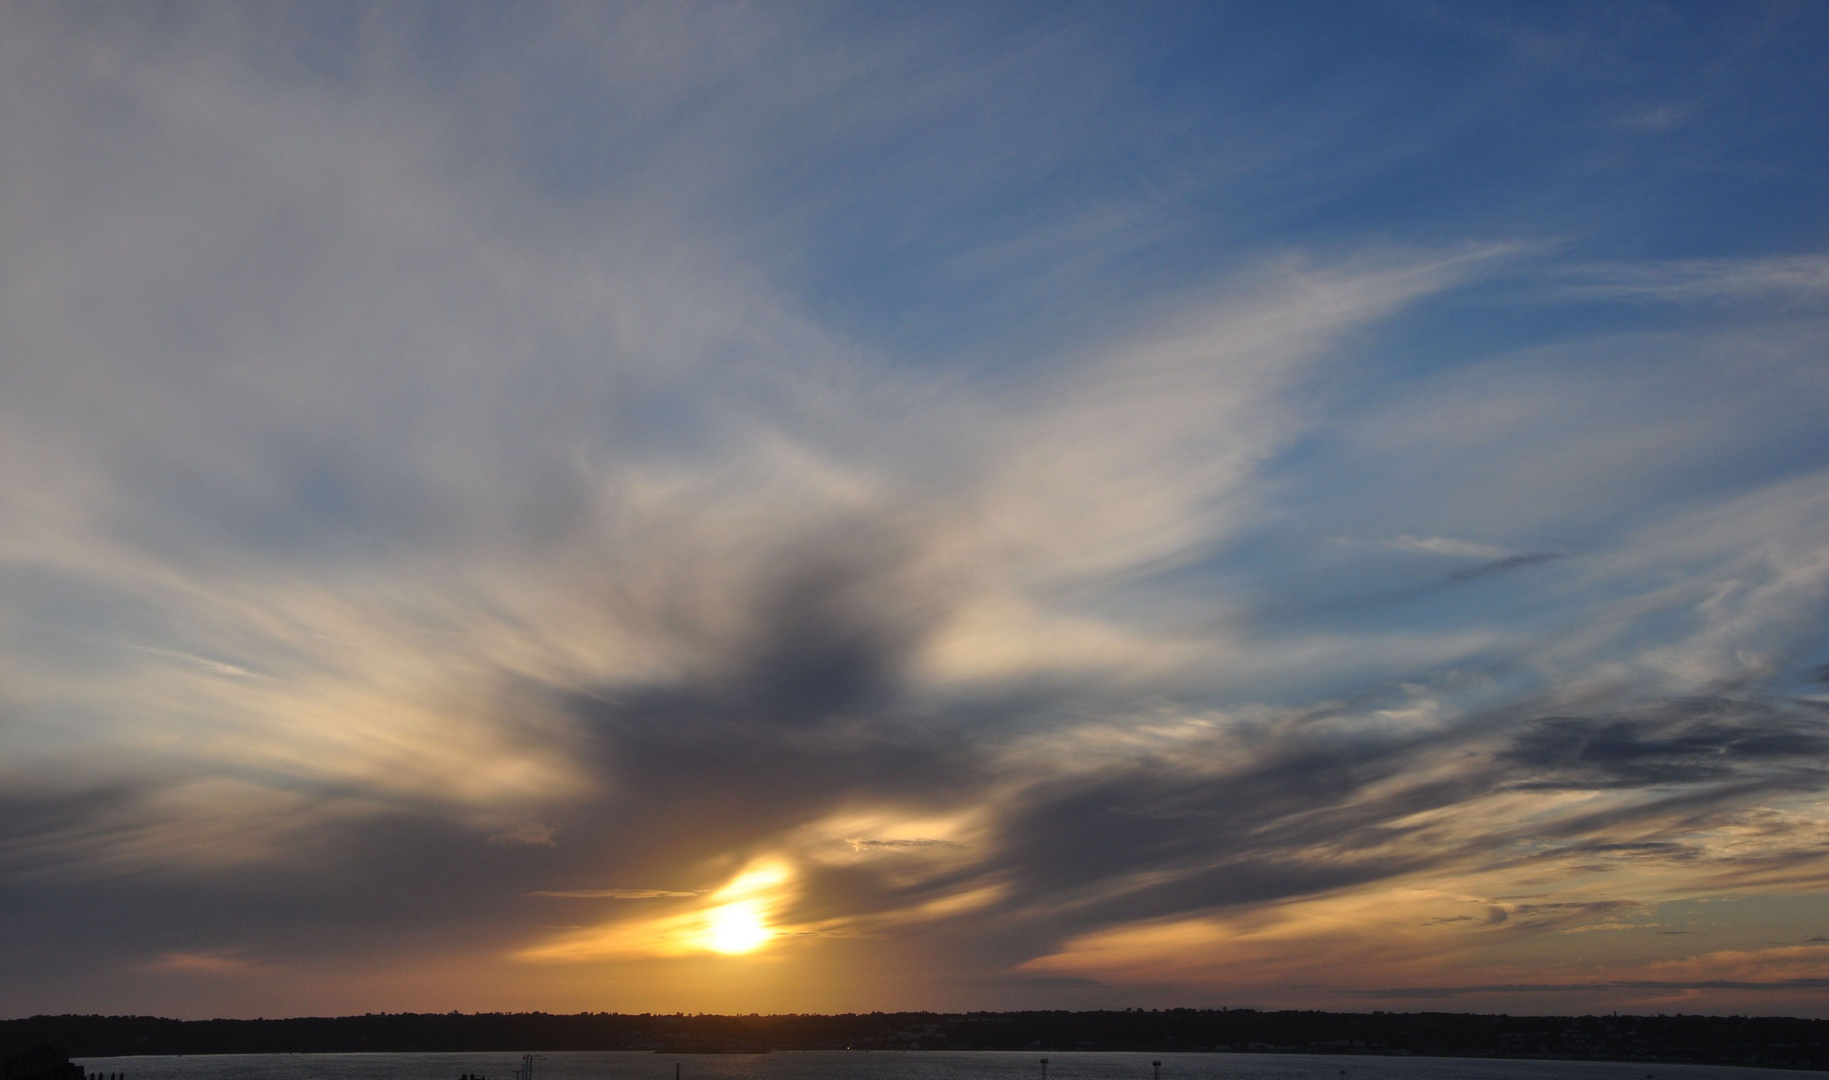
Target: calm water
(893,1065)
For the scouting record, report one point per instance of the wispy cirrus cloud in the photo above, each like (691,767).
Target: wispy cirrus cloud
(1793,279)
(1446,545)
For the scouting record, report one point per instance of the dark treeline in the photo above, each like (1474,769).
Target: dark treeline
(1771,1041)
(38,1063)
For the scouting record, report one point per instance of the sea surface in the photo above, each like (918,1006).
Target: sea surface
(894,1065)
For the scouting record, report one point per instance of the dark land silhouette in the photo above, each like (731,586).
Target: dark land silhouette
(1724,1040)
(37,1063)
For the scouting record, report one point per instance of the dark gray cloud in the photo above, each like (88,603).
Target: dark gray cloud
(1361,596)
(1685,741)
(1500,566)
(1295,820)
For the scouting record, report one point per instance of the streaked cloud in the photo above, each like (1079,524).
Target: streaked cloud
(1795,278)
(1444,545)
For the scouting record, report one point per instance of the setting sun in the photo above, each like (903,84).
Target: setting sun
(740,923)
(737,928)
(738,918)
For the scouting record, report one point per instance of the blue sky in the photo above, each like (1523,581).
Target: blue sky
(831,507)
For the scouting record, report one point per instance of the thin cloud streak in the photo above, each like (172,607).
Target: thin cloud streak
(612,894)
(1795,279)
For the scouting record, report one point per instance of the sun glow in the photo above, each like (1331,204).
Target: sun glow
(738,927)
(740,923)
(738,918)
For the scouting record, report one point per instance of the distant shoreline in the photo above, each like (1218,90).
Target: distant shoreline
(1772,1042)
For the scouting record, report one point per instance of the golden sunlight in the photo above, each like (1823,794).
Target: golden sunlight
(739,927)
(740,924)
(739,918)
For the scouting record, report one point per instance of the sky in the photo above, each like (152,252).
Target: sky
(749,507)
